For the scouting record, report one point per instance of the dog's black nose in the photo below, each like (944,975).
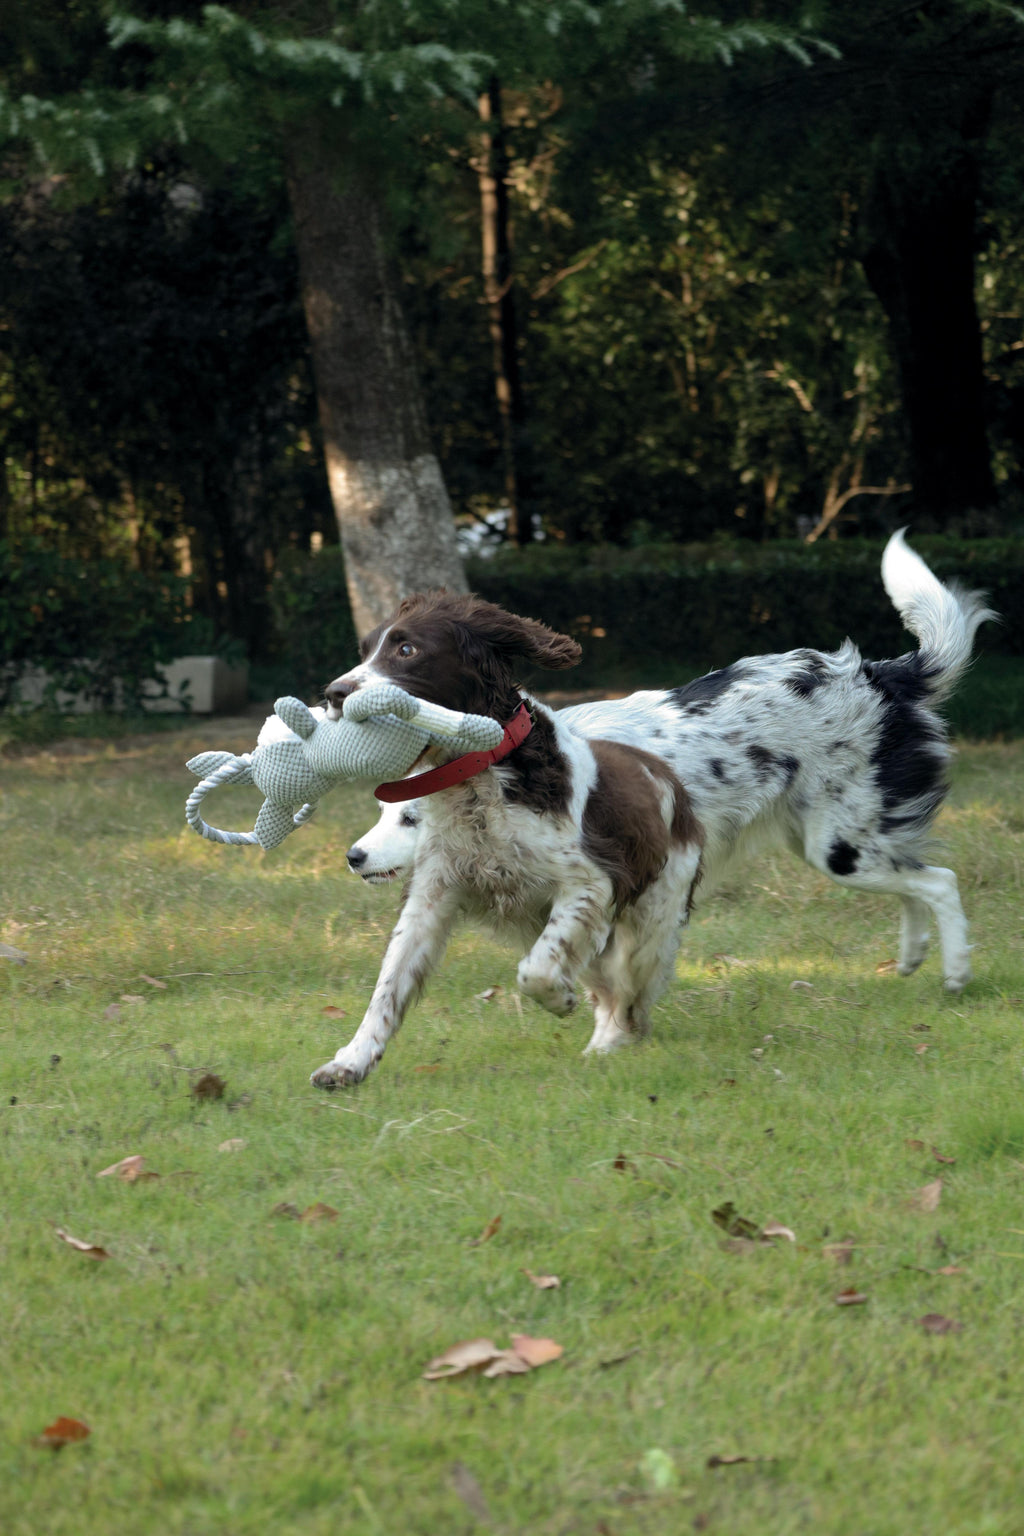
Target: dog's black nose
(337,692)
(356,857)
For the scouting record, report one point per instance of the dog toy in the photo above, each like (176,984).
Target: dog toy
(300,755)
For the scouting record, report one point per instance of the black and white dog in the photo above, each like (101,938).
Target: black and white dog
(842,760)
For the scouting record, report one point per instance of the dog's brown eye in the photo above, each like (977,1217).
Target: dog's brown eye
(406,649)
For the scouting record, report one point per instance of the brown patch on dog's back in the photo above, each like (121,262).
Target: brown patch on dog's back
(624,829)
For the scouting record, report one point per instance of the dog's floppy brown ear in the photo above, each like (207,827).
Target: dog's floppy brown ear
(527,639)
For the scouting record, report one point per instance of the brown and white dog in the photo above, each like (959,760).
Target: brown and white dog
(842,760)
(585,851)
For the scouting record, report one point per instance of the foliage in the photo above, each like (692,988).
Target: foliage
(242,1371)
(96,627)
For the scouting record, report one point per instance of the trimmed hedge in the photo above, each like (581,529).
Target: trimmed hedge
(661,610)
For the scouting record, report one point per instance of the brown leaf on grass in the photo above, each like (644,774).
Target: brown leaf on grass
(951,1269)
(927,1197)
(209,1086)
(431,1066)
(543,1282)
(91,1250)
(507,1363)
(621,1164)
(132,997)
(8,952)
(469,1355)
(332,1011)
(63,1432)
(488,995)
(934,1322)
(839,1253)
(487,1233)
(939,1158)
(727,1217)
(912,1144)
(153,981)
(131,1169)
(851,1297)
(736,1461)
(233,1144)
(885,967)
(919,1050)
(536,1351)
(286,1208)
(775,1229)
(319,1212)
(470,1492)
(112,1012)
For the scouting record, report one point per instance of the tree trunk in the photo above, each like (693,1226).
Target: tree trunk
(920,261)
(394,516)
(497,274)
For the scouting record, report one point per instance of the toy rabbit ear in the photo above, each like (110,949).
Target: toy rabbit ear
(295,716)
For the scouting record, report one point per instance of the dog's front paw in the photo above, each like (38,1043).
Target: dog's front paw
(552,990)
(339,1074)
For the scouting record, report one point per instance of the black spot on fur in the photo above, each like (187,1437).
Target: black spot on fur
(842,858)
(718,769)
(909,759)
(767,763)
(696,698)
(809,675)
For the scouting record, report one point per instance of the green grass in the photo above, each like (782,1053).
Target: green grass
(245,1374)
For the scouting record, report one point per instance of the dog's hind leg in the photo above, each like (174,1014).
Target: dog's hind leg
(913,935)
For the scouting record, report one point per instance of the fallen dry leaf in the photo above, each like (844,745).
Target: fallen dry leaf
(919,1050)
(469,1355)
(286,1208)
(153,981)
(621,1164)
(432,1066)
(332,1011)
(536,1351)
(487,995)
(839,1253)
(736,1461)
(775,1229)
(233,1144)
(927,1197)
(951,1269)
(939,1158)
(934,1322)
(851,1297)
(487,1233)
(91,1250)
(543,1282)
(130,1169)
(132,997)
(912,1144)
(63,1432)
(112,1012)
(884,967)
(727,1217)
(319,1212)
(8,952)
(507,1363)
(209,1086)
(470,1492)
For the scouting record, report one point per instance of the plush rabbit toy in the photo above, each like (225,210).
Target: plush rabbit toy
(300,755)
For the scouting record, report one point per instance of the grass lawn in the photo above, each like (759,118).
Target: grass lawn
(244,1372)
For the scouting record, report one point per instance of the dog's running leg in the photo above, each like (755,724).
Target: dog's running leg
(415,947)
(935,889)
(576,931)
(913,935)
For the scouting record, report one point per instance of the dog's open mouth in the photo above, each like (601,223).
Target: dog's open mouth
(380,877)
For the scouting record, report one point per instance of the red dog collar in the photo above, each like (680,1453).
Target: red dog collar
(460,768)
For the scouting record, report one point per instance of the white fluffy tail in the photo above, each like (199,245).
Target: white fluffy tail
(944,619)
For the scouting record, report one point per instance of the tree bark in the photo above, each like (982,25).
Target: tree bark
(919,259)
(394,516)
